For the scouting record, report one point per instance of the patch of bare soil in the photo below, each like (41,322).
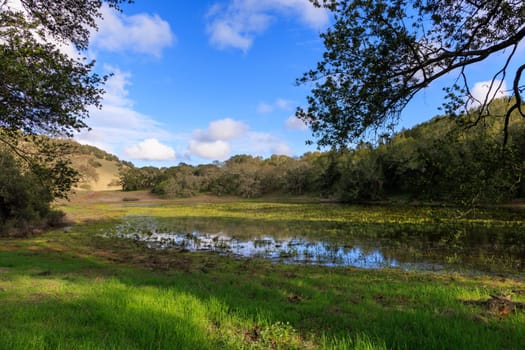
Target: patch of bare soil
(112,196)
(90,197)
(497,305)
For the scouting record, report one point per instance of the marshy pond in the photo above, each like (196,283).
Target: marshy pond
(478,246)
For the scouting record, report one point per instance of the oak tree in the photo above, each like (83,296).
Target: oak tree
(43,89)
(45,94)
(380,53)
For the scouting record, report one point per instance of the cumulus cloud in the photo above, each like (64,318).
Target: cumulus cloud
(226,136)
(216,150)
(238,23)
(141,33)
(226,129)
(294,123)
(489,90)
(212,143)
(150,149)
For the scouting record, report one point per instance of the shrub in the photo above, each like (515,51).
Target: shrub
(24,199)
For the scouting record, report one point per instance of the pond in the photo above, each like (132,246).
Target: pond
(421,247)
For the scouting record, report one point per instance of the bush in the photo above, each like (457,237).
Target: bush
(24,199)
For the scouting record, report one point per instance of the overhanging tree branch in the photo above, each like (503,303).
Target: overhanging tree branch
(380,54)
(43,91)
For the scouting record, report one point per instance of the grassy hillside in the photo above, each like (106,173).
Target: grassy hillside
(99,170)
(97,174)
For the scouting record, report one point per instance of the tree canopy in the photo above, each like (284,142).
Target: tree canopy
(381,53)
(44,91)
(433,161)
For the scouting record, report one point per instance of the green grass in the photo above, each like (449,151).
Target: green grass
(77,290)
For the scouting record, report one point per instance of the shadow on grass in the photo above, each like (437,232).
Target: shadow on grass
(85,292)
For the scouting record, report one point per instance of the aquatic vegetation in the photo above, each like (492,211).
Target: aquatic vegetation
(367,237)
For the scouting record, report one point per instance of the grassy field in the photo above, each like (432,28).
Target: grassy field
(74,289)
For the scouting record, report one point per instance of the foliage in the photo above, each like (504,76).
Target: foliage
(181,181)
(379,54)
(24,199)
(361,176)
(44,92)
(133,179)
(433,161)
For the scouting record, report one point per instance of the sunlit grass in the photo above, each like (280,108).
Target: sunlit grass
(74,289)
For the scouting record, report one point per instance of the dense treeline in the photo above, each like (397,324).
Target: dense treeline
(436,161)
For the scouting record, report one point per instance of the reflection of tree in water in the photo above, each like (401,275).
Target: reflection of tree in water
(370,245)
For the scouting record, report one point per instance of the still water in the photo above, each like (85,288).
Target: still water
(373,246)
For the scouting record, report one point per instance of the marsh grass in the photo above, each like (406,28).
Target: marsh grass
(79,290)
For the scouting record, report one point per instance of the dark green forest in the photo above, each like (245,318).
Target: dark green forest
(441,160)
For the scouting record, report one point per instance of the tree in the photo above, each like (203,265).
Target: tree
(381,53)
(44,91)
(44,94)
(135,179)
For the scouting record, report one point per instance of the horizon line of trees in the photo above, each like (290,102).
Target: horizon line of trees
(434,161)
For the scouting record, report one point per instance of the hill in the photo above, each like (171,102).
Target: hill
(100,171)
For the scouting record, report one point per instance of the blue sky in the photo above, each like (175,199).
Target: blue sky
(198,81)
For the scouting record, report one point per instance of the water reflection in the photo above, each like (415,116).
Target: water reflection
(281,247)
(291,250)
(427,247)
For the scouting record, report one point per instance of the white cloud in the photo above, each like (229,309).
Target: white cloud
(117,127)
(227,136)
(115,87)
(222,35)
(236,24)
(150,149)
(216,150)
(278,104)
(294,123)
(213,142)
(13,5)
(226,129)
(223,130)
(262,143)
(489,90)
(141,33)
